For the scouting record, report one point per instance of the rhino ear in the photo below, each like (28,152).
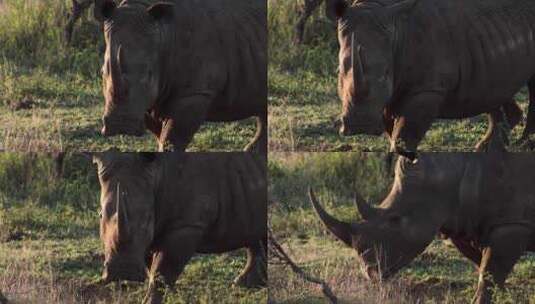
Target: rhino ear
(162,11)
(335,9)
(103,9)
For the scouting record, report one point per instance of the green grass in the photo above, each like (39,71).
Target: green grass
(64,88)
(303,100)
(440,275)
(50,251)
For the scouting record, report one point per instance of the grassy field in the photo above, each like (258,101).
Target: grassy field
(50,94)
(50,251)
(439,275)
(303,102)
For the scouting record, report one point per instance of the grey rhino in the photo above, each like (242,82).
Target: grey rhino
(405,63)
(483,202)
(173,205)
(170,66)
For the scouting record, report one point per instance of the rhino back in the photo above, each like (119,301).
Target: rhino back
(222,52)
(479,52)
(495,189)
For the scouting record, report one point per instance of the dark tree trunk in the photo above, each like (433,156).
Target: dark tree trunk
(78,7)
(304,13)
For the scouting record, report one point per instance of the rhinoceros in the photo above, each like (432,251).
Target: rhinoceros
(157,210)
(483,202)
(170,66)
(403,64)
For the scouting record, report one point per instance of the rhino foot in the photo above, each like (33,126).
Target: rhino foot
(251,280)
(254,276)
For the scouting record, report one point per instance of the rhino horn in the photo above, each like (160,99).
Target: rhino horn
(122,215)
(364,208)
(359,78)
(340,229)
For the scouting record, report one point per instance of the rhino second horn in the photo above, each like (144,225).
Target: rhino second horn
(340,229)
(365,209)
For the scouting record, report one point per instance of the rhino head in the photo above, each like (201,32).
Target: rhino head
(132,62)
(127,199)
(366,35)
(392,235)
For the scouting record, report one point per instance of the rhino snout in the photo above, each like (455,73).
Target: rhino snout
(113,127)
(349,128)
(124,272)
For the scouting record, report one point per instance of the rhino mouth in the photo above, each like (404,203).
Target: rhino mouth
(124,272)
(123,126)
(349,128)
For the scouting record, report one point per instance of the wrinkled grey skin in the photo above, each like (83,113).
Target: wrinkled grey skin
(170,66)
(165,207)
(403,64)
(483,202)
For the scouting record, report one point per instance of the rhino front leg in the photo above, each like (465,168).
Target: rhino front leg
(506,245)
(182,119)
(259,142)
(169,260)
(414,119)
(254,274)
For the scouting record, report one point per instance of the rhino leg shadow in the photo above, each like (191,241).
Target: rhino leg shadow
(254,275)
(259,143)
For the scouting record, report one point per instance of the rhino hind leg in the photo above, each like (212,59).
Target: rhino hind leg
(259,142)
(254,275)
(497,136)
(505,246)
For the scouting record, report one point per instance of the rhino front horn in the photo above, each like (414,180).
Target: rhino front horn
(340,229)
(366,210)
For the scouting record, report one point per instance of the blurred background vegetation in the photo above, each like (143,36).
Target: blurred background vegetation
(50,90)
(50,250)
(439,275)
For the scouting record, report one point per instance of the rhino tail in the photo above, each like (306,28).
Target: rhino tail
(340,229)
